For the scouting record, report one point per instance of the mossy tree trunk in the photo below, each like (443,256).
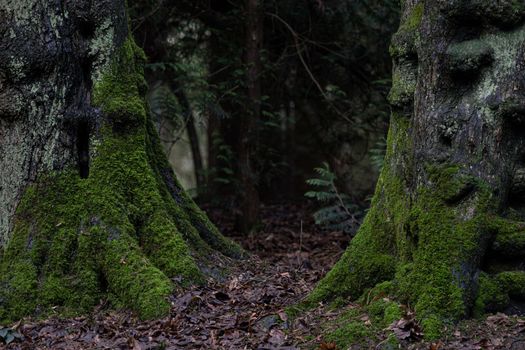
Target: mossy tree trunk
(446,230)
(89,206)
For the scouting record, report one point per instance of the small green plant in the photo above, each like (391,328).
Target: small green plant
(338,212)
(165,107)
(222,173)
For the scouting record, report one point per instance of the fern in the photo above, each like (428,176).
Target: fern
(165,107)
(338,212)
(377,154)
(222,172)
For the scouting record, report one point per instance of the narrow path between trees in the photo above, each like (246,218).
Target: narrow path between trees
(246,309)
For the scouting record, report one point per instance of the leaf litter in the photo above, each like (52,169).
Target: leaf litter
(247,310)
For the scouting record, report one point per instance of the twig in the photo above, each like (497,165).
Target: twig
(300,246)
(306,67)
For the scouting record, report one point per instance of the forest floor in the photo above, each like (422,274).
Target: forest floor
(247,309)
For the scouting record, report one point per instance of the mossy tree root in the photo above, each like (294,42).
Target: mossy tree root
(123,232)
(430,245)
(496,291)
(438,225)
(509,241)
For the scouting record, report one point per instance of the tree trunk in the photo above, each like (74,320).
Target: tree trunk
(189,121)
(249,197)
(89,206)
(447,222)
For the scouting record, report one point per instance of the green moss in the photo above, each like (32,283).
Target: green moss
(345,279)
(294,310)
(364,324)
(134,279)
(372,255)
(404,80)
(379,304)
(513,282)
(337,303)
(376,309)
(120,232)
(20,279)
(118,90)
(439,280)
(193,223)
(433,327)
(494,292)
(379,291)
(491,296)
(403,41)
(348,328)
(429,250)
(393,312)
(509,239)
(168,251)
(429,224)
(349,333)
(413,20)
(371,260)
(391,343)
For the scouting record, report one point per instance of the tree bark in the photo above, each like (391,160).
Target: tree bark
(450,193)
(249,198)
(89,205)
(189,121)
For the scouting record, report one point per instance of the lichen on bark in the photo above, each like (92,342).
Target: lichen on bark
(121,227)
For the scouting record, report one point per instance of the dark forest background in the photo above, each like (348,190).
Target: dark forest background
(250,97)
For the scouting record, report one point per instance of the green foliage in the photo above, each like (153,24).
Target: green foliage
(222,172)
(338,211)
(164,106)
(191,73)
(328,58)
(377,154)
(182,73)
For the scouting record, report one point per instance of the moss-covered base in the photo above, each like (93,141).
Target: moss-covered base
(436,228)
(428,242)
(366,322)
(123,232)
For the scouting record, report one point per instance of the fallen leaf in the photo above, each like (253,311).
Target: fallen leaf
(328,346)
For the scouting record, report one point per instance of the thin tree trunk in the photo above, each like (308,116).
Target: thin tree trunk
(189,121)
(249,198)
(289,148)
(446,223)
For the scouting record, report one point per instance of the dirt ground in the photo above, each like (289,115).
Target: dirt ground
(246,310)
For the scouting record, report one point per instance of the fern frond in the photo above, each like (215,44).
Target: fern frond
(338,211)
(321,196)
(319,182)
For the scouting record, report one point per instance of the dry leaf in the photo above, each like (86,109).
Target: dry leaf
(328,346)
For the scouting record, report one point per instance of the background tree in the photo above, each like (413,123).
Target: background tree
(332,57)
(324,71)
(445,230)
(89,205)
